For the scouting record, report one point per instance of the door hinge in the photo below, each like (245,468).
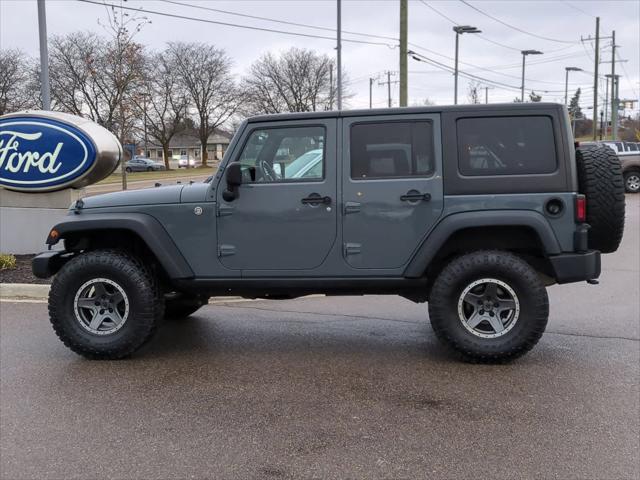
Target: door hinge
(351,207)
(226,250)
(224,210)
(352,248)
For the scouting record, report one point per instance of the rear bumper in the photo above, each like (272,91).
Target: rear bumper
(576,267)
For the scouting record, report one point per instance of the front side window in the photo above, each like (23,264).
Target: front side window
(506,146)
(391,149)
(284,154)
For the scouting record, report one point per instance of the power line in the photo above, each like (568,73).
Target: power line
(456,23)
(227,24)
(513,27)
(284,22)
(579,9)
(483,37)
(488,69)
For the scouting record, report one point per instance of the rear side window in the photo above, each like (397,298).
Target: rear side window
(391,150)
(506,146)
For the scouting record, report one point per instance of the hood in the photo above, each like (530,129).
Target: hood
(146,196)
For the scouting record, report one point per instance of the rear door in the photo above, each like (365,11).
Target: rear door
(392,187)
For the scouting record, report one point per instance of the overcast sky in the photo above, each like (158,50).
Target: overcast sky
(561,23)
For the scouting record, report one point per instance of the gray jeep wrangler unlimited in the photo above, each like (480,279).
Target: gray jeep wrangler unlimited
(473,209)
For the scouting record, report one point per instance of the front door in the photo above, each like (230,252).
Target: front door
(392,187)
(284,215)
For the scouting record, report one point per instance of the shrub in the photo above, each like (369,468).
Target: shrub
(7,261)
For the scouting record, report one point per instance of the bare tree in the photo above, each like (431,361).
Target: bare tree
(533,97)
(164,104)
(206,77)
(298,80)
(425,102)
(93,77)
(18,81)
(472,92)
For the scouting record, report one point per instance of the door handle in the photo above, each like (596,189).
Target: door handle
(315,199)
(415,196)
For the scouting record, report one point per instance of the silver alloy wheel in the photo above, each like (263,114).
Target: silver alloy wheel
(633,182)
(488,308)
(101,306)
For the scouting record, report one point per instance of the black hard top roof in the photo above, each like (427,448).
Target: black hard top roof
(406,110)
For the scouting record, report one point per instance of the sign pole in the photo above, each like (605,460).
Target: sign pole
(44,56)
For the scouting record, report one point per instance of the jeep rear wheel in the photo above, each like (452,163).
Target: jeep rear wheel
(600,179)
(103,304)
(489,306)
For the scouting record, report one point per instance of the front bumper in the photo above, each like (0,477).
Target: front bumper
(576,267)
(47,264)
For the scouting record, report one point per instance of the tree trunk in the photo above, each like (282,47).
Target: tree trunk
(203,144)
(165,154)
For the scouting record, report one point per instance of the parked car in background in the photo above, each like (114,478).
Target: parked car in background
(631,171)
(185,162)
(629,155)
(142,164)
(622,148)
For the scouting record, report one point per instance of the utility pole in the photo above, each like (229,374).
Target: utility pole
(606,107)
(403,53)
(44,56)
(339,54)
(486,94)
(614,108)
(614,92)
(388,84)
(595,79)
(371,92)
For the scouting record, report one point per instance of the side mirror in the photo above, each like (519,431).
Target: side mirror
(233,176)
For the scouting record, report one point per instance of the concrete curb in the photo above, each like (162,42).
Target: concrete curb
(30,291)
(24,290)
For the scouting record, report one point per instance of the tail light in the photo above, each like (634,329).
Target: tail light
(581,208)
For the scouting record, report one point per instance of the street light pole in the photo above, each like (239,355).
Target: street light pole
(460,29)
(524,56)
(44,56)
(566,82)
(371,92)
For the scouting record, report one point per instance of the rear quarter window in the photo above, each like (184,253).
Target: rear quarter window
(517,145)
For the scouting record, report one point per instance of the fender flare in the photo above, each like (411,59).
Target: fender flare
(144,226)
(459,221)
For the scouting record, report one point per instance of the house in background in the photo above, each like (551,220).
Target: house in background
(186,145)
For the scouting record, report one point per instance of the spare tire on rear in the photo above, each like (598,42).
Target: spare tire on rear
(600,180)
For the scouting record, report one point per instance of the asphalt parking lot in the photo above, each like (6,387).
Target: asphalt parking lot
(332,388)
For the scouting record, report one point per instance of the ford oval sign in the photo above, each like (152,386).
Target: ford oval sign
(45,151)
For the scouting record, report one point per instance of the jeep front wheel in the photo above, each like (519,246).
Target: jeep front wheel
(489,306)
(103,304)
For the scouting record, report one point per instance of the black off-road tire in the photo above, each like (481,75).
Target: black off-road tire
(182,307)
(505,267)
(600,179)
(146,306)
